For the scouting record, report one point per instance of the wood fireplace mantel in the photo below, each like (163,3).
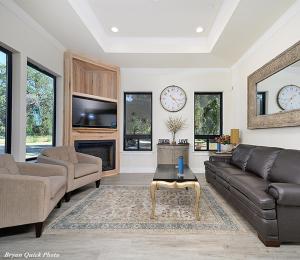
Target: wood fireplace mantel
(90,79)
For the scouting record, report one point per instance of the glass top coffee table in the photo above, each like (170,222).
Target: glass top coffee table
(167,176)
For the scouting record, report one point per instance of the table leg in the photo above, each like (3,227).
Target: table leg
(153,187)
(197,200)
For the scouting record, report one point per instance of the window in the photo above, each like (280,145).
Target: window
(5,100)
(207,120)
(41,102)
(138,121)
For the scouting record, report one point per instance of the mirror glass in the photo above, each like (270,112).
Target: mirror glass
(279,92)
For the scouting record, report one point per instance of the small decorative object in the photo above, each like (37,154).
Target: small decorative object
(163,141)
(183,141)
(288,97)
(173,98)
(174,124)
(218,147)
(224,142)
(180,165)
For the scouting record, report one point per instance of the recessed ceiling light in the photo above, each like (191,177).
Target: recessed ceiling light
(114,29)
(199,29)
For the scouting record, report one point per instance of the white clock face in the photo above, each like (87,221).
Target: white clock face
(173,98)
(289,97)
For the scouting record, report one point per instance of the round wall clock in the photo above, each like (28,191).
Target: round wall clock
(288,97)
(173,98)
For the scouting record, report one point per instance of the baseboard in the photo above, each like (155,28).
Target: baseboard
(138,170)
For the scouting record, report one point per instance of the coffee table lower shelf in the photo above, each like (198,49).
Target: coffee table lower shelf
(175,185)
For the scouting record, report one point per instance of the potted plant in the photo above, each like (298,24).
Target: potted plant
(175,124)
(223,142)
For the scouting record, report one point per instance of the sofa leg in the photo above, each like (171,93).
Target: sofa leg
(59,204)
(269,243)
(98,183)
(67,196)
(38,229)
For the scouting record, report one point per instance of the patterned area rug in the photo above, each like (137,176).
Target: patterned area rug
(127,208)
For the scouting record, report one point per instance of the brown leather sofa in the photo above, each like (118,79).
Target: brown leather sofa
(263,183)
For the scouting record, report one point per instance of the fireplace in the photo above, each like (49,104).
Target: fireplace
(104,149)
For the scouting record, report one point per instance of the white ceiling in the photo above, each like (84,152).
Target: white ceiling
(149,37)
(160,18)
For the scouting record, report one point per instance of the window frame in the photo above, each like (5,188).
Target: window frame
(208,137)
(32,65)
(7,148)
(125,136)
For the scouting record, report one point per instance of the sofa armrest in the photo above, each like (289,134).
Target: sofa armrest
(23,199)
(41,169)
(85,158)
(68,166)
(287,194)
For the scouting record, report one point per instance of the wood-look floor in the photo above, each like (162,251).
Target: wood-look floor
(119,246)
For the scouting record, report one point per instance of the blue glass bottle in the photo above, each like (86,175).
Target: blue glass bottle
(218,147)
(180,165)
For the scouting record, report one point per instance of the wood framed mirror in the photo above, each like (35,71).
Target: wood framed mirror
(274,92)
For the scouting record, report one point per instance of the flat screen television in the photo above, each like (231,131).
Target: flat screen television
(88,112)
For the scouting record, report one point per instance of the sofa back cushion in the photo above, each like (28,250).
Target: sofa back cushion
(8,165)
(241,155)
(261,160)
(286,167)
(63,153)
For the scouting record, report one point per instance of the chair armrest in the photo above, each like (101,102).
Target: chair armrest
(287,194)
(23,199)
(68,166)
(85,158)
(41,169)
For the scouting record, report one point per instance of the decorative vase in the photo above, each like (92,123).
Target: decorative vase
(218,147)
(180,165)
(173,138)
(225,148)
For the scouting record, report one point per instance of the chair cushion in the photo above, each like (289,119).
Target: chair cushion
(286,167)
(83,169)
(63,153)
(254,188)
(261,160)
(8,165)
(241,155)
(227,173)
(56,184)
(213,166)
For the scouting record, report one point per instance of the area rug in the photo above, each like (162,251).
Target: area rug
(127,208)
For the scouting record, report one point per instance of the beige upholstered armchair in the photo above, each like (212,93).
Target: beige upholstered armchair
(29,192)
(81,168)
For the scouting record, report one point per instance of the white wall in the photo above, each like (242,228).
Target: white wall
(191,80)
(28,41)
(283,34)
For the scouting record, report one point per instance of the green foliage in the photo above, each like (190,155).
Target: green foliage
(3,89)
(138,125)
(207,115)
(40,103)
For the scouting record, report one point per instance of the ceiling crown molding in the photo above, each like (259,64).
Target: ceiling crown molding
(111,44)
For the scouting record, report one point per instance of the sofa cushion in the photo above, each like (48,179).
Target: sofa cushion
(254,188)
(8,165)
(227,173)
(83,169)
(63,153)
(286,167)
(261,160)
(213,166)
(56,184)
(241,155)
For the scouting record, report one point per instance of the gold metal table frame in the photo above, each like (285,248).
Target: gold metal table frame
(155,185)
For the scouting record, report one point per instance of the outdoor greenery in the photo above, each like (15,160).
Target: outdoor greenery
(207,115)
(3,96)
(40,106)
(138,125)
